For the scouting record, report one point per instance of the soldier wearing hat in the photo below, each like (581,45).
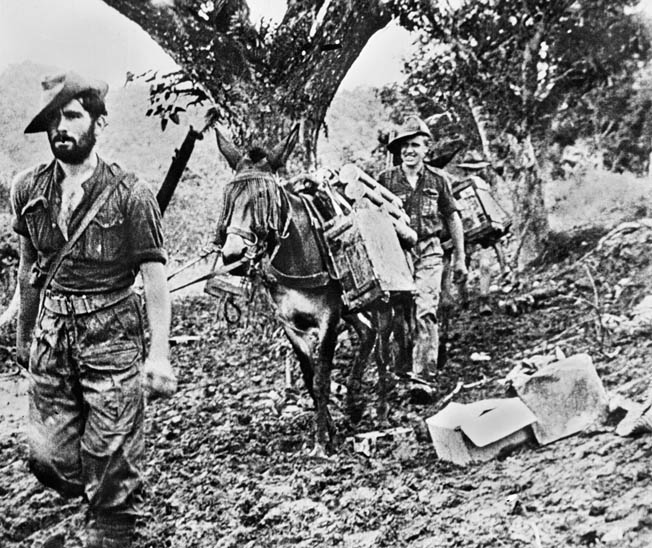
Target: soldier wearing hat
(87,227)
(428,200)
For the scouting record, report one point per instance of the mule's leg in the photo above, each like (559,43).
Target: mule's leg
(366,332)
(312,355)
(444,311)
(403,333)
(383,322)
(324,427)
(302,348)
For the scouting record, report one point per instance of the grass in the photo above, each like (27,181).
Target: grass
(598,199)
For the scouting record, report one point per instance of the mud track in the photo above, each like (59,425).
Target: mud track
(228,465)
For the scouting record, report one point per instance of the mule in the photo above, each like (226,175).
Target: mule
(273,226)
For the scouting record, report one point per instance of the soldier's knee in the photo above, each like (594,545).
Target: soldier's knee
(49,475)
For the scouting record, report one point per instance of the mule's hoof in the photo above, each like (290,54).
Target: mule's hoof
(319,452)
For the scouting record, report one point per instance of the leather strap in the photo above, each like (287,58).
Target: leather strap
(90,215)
(309,281)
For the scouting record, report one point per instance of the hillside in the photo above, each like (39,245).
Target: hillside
(352,123)
(131,138)
(137,141)
(228,463)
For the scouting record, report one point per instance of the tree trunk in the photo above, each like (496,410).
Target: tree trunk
(488,137)
(483,126)
(530,219)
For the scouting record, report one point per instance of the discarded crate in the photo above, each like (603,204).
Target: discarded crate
(367,258)
(566,397)
(479,431)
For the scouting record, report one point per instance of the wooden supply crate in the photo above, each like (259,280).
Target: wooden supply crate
(483,219)
(367,258)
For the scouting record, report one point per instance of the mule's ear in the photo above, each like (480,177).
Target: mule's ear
(281,152)
(228,149)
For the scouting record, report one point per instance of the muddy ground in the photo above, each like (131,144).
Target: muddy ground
(228,460)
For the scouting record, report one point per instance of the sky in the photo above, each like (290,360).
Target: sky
(92,38)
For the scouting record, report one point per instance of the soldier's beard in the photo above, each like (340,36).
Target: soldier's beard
(77,151)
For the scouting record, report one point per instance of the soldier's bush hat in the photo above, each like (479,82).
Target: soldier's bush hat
(57,91)
(473,160)
(412,127)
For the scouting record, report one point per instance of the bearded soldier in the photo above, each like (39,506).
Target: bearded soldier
(87,227)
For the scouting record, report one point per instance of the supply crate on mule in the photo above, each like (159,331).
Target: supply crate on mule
(364,245)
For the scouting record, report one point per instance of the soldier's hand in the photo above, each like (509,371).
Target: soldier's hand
(460,272)
(159,378)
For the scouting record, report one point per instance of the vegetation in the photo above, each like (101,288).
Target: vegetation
(258,80)
(512,69)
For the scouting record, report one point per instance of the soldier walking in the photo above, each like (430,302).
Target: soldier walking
(87,227)
(428,200)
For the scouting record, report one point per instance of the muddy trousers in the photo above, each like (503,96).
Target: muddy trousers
(427,278)
(85,428)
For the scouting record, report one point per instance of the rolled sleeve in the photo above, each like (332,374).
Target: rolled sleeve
(18,199)
(447,203)
(145,227)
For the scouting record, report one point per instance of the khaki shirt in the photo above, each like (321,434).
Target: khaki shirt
(426,203)
(125,232)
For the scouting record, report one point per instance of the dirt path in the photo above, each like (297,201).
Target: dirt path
(228,463)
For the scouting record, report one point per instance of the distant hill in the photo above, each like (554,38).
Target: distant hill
(131,138)
(353,123)
(138,143)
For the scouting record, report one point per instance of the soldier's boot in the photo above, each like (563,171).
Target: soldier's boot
(110,532)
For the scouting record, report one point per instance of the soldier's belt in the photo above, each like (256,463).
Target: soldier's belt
(72,303)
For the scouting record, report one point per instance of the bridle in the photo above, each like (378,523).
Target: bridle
(277,223)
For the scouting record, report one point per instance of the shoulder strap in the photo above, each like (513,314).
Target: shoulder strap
(446,175)
(90,215)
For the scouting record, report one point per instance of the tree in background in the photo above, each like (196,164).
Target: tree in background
(511,67)
(260,80)
(614,123)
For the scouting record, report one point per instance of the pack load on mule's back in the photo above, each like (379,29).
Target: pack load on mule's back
(364,231)
(364,245)
(367,258)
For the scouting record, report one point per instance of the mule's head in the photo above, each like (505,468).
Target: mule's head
(252,211)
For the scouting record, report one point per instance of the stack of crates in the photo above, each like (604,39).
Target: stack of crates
(367,258)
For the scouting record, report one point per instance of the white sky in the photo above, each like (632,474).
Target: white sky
(91,38)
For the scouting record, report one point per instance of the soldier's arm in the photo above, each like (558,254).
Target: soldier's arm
(28,303)
(159,377)
(454,224)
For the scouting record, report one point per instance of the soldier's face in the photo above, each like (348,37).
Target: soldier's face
(413,151)
(71,132)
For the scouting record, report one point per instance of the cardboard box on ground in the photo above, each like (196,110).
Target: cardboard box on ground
(561,399)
